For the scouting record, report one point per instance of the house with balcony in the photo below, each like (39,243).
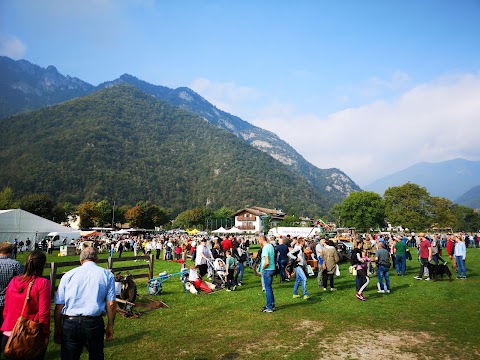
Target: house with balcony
(251,219)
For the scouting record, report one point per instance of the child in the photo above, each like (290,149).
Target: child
(230,263)
(178,252)
(362,275)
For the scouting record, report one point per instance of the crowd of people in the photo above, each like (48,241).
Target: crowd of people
(81,305)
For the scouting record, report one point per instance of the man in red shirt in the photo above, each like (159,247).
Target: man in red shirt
(450,251)
(227,244)
(425,255)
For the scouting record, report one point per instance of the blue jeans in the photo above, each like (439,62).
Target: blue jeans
(401,264)
(239,272)
(382,272)
(300,277)
(82,332)
(282,263)
(267,276)
(461,269)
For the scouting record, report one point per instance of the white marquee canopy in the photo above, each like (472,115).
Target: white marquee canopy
(20,224)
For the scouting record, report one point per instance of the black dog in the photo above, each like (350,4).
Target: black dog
(435,270)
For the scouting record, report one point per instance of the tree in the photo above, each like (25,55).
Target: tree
(88,213)
(135,216)
(362,210)
(105,213)
(191,217)
(152,215)
(467,219)
(443,214)
(38,204)
(223,213)
(6,198)
(63,211)
(408,205)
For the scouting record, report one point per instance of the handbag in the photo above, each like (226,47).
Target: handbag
(27,341)
(337,270)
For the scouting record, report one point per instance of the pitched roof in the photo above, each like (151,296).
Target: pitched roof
(260,211)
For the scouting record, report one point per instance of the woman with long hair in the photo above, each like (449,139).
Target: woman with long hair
(38,305)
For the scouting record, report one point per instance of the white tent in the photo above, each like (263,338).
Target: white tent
(20,224)
(220,230)
(234,230)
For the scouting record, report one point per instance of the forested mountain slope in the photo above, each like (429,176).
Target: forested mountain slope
(125,145)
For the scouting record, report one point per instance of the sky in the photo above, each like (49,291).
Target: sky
(369,87)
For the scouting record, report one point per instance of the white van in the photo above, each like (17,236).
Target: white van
(63,238)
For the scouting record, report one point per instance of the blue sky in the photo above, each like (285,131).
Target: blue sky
(370,87)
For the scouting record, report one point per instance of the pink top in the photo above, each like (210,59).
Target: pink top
(38,306)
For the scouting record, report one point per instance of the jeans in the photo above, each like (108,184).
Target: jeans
(282,263)
(82,332)
(401,264)
(239,272)
(300,277)
(383,273)
(461,269)
(267,276)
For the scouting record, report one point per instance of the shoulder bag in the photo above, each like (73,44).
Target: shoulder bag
(27,341)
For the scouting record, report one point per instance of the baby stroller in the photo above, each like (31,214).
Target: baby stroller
(217,272)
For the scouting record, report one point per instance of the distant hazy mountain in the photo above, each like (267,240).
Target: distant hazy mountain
(24,86)
(471,198)
(449,179)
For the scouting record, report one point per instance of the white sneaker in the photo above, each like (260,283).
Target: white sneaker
(427,279)
(381,291)
(387,291)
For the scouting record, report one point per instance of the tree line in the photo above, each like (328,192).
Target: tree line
(409,206)
(143,214)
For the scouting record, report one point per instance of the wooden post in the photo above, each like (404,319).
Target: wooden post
(150,267)
(110,264)
(53,278)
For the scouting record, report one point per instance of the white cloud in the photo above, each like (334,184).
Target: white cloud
(431,122)
(227,96)
(12,46)
(376,87)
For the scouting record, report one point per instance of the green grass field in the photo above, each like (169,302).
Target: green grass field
(417,320)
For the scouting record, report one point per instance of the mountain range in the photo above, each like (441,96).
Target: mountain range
(25,86)
(451,179)
(122,144)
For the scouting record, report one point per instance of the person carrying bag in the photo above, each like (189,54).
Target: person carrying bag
(26,330)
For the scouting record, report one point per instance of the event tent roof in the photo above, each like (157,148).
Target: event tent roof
(20,224)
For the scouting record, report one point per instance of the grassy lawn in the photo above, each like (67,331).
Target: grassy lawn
(417,320)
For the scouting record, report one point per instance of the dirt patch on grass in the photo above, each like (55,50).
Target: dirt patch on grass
(360,344)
